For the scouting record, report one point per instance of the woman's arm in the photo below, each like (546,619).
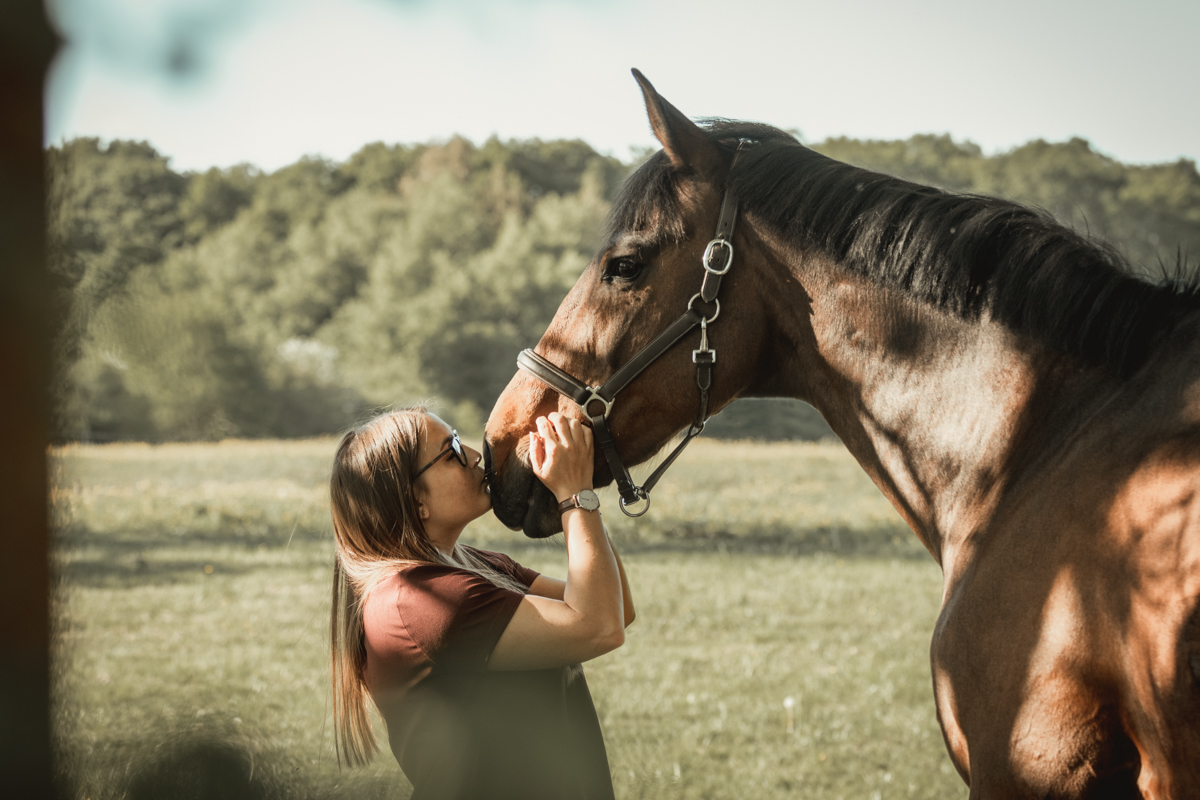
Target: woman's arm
(587,621)
(626,595)
(545,586)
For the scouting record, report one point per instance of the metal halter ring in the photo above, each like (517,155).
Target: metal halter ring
(716,313)
(708,254)
(642,495)
(608,404)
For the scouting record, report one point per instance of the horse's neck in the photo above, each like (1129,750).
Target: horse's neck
(941,412)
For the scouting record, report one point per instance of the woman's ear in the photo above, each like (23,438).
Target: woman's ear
(421,496)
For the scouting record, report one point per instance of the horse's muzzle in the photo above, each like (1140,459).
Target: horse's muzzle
(519,500)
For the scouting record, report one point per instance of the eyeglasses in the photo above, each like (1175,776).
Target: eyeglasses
(455,448)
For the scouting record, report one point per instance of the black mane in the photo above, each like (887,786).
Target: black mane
(967,254)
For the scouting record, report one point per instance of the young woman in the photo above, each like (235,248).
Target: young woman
(471,659)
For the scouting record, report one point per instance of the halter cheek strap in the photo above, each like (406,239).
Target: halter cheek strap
(596,402)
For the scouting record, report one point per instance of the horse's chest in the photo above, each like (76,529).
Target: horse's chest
(1067,740)
(1024,699)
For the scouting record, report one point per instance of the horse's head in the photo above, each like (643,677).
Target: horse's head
(647,271)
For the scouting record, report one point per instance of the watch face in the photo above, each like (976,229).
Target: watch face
(588,500)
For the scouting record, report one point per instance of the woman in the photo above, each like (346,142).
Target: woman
(471,659)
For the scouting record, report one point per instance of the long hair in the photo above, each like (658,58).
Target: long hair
(377,530)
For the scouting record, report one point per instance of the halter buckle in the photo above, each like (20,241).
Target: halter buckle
(709,251)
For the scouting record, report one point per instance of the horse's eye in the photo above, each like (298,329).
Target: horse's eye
(625,269)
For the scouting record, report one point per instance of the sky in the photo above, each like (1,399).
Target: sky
(265,82)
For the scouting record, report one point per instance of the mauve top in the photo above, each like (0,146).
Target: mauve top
(458,730)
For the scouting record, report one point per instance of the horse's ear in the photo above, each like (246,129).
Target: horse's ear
(689,148)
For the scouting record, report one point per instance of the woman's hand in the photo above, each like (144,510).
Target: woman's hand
(561,454)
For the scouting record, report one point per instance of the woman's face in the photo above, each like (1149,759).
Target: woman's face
(452,495)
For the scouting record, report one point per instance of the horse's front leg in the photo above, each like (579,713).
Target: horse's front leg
(944,698)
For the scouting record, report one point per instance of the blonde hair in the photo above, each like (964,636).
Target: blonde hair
(377,530)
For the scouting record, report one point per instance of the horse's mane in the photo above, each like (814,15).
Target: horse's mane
(967,254)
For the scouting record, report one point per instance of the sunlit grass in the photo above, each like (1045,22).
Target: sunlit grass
(193,601)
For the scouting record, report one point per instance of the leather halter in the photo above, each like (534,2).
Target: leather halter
(596,402)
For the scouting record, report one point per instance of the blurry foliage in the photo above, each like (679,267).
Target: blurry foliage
(236,303)
(232,303)
(111,209)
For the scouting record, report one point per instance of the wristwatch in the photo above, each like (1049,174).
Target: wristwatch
(586,499)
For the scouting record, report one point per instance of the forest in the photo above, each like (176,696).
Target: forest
(235,303)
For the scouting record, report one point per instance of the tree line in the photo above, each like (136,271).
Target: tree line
(232,302)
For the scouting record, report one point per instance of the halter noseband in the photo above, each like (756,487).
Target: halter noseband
(596,402)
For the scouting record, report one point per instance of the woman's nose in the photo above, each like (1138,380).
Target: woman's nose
(473,455)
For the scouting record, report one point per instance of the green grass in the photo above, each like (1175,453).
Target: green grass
(193,600)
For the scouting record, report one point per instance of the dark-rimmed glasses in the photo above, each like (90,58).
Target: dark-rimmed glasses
(455,448)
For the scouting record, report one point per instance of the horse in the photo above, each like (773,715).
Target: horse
(1029,406)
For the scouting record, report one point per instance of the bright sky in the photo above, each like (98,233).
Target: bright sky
(277,79)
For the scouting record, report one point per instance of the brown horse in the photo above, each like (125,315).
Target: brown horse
(1029,407)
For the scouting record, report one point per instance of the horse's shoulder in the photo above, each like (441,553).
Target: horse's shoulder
(1154,516)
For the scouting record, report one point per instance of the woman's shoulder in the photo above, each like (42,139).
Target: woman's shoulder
(497,560)
(453,615)
(416,582)
(426,599)
(442,582)
(506,564)
(445,585)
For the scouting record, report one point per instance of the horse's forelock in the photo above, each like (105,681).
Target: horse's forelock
(648,202)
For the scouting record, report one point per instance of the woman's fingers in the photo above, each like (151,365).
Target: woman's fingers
(544,433)
(562,426)
(560,452)
(537,453)
(551,428)
(543,448)
(568,432)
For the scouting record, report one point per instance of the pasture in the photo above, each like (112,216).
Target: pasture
(192,600)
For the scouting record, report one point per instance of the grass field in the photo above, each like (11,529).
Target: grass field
(192,608)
